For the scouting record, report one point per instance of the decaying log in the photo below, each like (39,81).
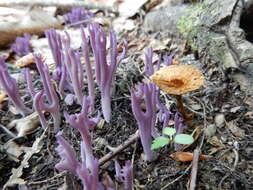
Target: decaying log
(217,29)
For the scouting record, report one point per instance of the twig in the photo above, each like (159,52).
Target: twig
(223,179)
(57,3)
(205,120)
(192,182)
(179,177)
(120,148)
(236,158)
(7,131)
(61,174)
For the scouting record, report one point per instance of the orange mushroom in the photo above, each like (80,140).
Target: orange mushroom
(178,80)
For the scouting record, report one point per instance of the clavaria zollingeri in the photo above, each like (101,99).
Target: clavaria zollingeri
(47,99)
(22,45)
(105,72)
(78,14)
(146,119)
(10,87)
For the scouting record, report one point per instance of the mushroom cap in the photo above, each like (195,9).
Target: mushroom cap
(178,79)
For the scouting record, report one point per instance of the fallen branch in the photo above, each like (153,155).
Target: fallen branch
(7,131)
(120,148)
(192,182)
(56,3)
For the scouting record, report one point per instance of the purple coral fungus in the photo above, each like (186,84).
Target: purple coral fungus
(75,71)
(49,94)
(105,72)
(83,123)
(88,68)
(10,86)
(125,175)
(146,120)
(22,45)
(78,14)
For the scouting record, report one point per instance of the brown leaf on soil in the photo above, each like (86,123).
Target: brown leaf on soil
(249,101)
(215,142)
(32,22)
(249,113)
(187,156)
(228,157)
(235,130)
(27,61)
(2,97)
(17,172)
(26,125)
(14,150)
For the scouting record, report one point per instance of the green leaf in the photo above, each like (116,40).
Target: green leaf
(183,139)
(159,142)
(169,131)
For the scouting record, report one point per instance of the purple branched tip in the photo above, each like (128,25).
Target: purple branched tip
(168,60)
(146,119)
(83,123)
(68,156)
(74,69)
(149,66)
(105,73)
(125,175)
(50,95)
(10,86)
(78,14)
(22,45)
(90,177)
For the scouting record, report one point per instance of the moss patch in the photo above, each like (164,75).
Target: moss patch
(188,25)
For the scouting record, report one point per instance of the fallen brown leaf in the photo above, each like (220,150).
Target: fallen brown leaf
(14,150)
(26,61)
(238,132)
(26,125)
(17,172)
(2,97)
(187,156)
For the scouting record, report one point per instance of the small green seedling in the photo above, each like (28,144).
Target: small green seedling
(160,142)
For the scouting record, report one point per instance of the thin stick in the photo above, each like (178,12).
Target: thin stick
(7,131)
(61,174)
(194,171)
(178,178)
(120,148)
(56,3)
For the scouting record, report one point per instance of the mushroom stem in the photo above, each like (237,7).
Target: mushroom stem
(181,109)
